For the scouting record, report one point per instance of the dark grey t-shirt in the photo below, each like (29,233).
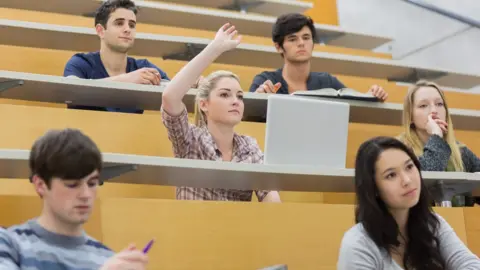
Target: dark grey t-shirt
(316,80)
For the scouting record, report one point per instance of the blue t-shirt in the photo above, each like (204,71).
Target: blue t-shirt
(316,80)
(90,66)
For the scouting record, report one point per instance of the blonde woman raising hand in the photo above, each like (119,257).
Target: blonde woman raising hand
(219,109)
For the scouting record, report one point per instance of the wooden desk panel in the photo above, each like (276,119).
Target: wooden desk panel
(217,235)
(456,218)
(472,227)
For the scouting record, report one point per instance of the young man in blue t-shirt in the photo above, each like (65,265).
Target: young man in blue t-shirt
(115,23)
(65,167)
(294,35)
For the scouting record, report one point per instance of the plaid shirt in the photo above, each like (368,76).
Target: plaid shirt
(192,142)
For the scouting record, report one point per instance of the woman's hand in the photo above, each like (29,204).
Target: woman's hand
(226,38)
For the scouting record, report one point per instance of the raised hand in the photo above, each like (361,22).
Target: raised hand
(226,38)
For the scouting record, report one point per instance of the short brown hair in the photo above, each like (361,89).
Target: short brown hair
(291,23)
(66,154)
(108,7)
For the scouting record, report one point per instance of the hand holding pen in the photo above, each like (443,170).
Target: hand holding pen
(130,258)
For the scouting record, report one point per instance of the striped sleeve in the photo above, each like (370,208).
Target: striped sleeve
(9,256)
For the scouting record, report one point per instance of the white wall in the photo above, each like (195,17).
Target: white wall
(467,8)
(421,36)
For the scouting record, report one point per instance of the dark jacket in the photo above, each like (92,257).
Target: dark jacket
(437,152)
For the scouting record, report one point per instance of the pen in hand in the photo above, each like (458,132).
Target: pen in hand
(148,246)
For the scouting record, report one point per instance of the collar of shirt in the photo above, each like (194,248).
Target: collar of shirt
(240,146)
(284,88)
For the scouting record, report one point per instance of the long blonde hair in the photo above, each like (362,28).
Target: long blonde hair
(204,89)
(410,137)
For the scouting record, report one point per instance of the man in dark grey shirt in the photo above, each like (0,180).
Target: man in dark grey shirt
(294,35)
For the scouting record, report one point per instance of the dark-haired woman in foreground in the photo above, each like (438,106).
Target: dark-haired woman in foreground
(396,227)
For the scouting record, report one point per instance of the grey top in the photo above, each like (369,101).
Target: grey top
(436,154)
(29,246)
(359,252)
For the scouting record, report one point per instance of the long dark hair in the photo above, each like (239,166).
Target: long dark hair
(422,249)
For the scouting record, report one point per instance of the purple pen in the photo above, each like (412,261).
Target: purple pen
(148,246)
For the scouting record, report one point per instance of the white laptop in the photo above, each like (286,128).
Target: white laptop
(306,131)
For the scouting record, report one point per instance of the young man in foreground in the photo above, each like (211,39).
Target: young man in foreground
(65,171)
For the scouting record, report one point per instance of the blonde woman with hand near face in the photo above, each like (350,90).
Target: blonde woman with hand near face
(428,130)
(219,109)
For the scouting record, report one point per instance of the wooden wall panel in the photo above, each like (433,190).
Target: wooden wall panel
(455,217)
(472,226)
(323,11)
(219,235)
